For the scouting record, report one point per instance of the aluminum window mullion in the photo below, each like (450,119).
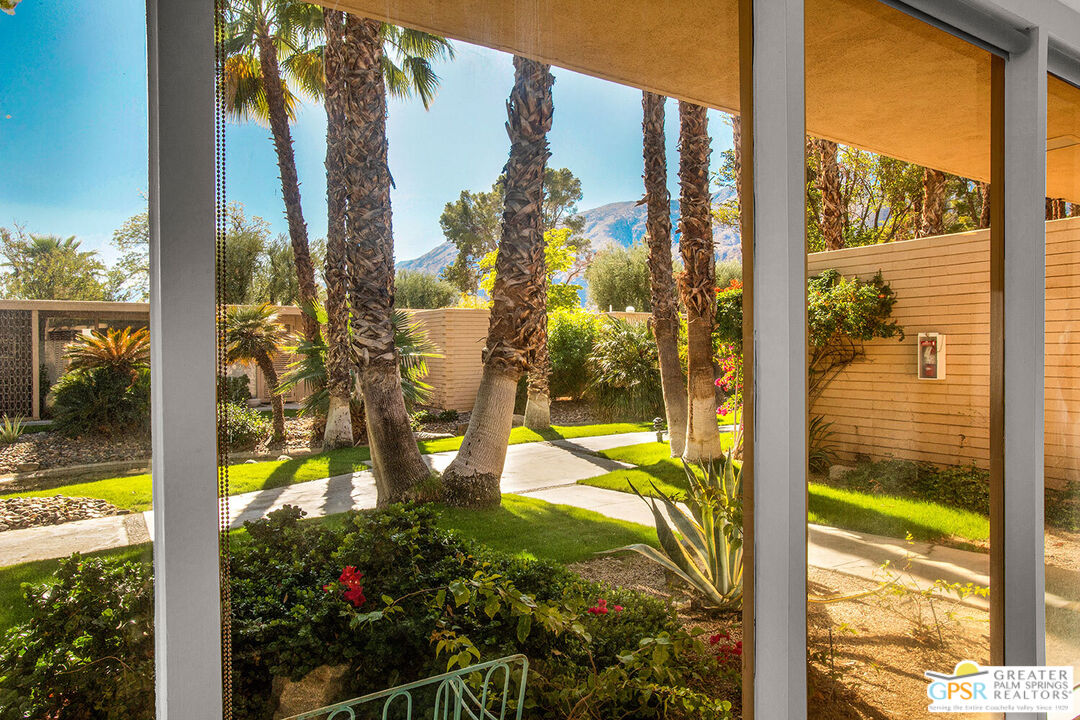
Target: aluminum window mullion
(779,356)
(187,636)
(1024,286)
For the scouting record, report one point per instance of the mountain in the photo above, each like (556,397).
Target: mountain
(617,223)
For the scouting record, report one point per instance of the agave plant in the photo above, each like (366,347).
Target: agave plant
(123,351)
(309,369)
(701,542)
(11,428)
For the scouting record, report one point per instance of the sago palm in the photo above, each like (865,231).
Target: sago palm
(254,334)
(123,351)
(272,58)
(406,64)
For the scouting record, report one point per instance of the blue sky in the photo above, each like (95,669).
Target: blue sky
(73,151)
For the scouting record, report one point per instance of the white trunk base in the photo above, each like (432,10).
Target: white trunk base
(339,431)
(538,412)
(702,432)
(472,479)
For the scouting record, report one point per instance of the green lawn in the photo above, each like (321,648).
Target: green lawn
(522,526)
(847,509)
(537,529)
(133,492)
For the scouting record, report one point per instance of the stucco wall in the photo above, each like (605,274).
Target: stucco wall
(878,406)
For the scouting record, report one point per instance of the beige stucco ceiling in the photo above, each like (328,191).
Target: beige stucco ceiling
(876,78)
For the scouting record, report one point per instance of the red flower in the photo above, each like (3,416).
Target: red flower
(600,608)
(354,591)
(618,608)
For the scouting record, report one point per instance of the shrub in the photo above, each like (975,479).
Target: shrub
(964,487)
(102,401)
(571,337)
(291,616)
(245,427)
(415,289)
(87,651)
(618,277)
(625,372)
(237,389)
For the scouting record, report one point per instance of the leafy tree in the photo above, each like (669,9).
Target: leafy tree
(245,243)
(571,336)
(415,289)
(271,56)
(254,334)
(46,267)
(560,256)
(618,277)
(8,6)
(471,223)
(132,269)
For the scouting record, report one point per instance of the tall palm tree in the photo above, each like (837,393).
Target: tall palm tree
(254,334)
(932,216)
(832,201)
(407,70)
(697,281)
(472,479)
(665,313)
(271,54)
(399,468)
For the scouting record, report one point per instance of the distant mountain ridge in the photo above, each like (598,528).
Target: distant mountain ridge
(617,223)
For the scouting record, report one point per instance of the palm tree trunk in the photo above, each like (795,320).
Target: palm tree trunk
(697,281)
(665,313)
(832,204)
(473,477)
(538,404)
(290,184)
(932,218)
(339,431)
(399,468)
(984,205)
(277,403)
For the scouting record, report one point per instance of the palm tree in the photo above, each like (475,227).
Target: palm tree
(665,313)
(270,55)
(253,334)
(407,69)
(399,468)
(472,479)
(124,351)
(832,201)
(932,216)
(697,281)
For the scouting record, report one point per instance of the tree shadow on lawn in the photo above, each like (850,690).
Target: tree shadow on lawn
(534,528)
(848,515)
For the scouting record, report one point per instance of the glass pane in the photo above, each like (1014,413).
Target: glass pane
(1062,501)
(898,372)
(74,362)
(345,603)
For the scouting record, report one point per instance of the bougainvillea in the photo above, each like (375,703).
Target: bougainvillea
(350,581)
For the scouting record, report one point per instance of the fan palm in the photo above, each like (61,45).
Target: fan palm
(254,334)
(406,67)
(272,55)
(123,351)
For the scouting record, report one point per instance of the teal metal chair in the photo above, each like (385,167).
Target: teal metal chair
(453,698)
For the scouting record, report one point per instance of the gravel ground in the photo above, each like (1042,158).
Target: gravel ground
(16,513)
(53,449)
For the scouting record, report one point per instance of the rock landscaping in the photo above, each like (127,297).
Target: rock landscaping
(17,513)
(53,449)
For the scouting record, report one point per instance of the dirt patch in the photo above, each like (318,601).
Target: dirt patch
(867,653)
(1063,549)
